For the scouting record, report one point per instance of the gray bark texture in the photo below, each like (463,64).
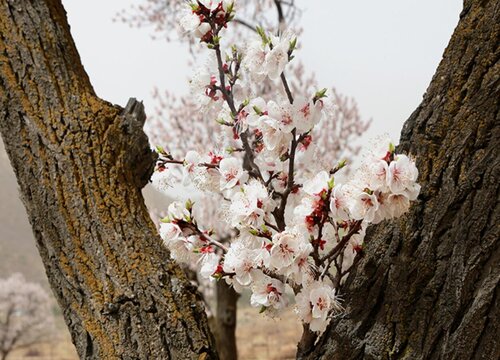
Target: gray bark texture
(81,163)
(427,286)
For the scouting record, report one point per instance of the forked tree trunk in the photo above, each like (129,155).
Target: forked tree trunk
(427,287)
(81,163)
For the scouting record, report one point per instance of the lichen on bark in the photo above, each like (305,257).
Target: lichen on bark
(81,163)
(427,287)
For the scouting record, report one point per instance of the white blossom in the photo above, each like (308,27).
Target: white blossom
(241,261)
(315,303)
(317,184)
(284,250)
(170,232)
(402,174)
(363,206)
(189,21)
(284,114)
(162,180)
(248,206)
(209,264)
(255,57)
(339,202)
(276,60)
(268,292)
(308,114)
(272,135)
(231,173)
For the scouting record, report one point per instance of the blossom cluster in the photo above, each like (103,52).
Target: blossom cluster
(291,228)
(200,17)
(335,138)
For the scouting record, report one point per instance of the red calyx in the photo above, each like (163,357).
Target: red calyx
(207,249)
(214,159)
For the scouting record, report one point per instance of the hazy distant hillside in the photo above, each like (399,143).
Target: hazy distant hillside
(18,252)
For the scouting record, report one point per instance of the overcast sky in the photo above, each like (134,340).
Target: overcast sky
(383,53)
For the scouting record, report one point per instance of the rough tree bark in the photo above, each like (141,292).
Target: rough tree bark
(81,163)
(427,287)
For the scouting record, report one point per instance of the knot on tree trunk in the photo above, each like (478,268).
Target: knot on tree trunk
(135,153)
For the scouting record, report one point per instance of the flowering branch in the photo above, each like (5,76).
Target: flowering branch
(293,222)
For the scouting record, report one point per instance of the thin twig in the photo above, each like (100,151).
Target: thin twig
(354,230)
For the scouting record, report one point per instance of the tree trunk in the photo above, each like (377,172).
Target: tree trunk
(225,321)
(427,287)
(81,163)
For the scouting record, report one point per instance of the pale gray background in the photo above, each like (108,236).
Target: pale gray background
(383,53)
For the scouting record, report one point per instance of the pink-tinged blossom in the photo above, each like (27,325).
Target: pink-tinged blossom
(191,161)
(317,184)
(241,261)
(398,204)
(308,114)
(302,269)
(203,87)
(284,114)
(268,292)
(209,263)
(339,203)
(232,173)
(363,206)
(276,60)
(272,136)
(277,57)
(315,303)
(170,233)
(255,58)
(376,173)
(248,207)
(305,153)
(402,176)
(285,248)
(267,59)
(181,248)
(270,161)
